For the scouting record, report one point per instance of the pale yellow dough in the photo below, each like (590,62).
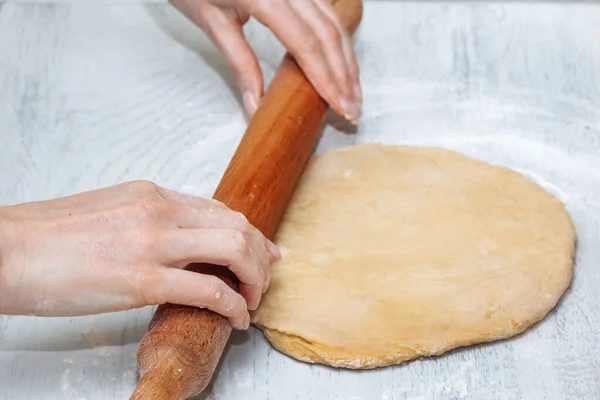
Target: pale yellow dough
(392,253)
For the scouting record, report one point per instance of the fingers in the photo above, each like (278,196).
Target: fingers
(224,27)
(190,218)
(309,29)
(197,290)
(332,50)
(317,43)
(347,46)
(245,254)
(194,212)
(240,57)
(181,229)
(212,233)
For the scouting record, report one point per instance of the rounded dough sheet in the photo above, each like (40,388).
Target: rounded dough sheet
(392,253)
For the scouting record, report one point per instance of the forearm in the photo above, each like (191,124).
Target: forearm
(9,297)
(3,259)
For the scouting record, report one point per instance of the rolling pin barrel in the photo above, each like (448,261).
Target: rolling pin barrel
(180,352)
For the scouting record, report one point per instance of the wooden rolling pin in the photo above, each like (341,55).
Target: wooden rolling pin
(178,355)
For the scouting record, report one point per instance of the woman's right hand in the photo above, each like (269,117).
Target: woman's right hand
(309,29)
(126,247)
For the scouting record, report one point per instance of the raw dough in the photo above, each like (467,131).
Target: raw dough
(392,253)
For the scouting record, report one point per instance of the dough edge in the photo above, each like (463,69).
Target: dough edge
(314,352)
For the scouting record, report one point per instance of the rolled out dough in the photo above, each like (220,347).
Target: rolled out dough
(392,253)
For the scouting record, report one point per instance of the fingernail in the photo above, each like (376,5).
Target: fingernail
(247,321)
(254,305)
(249,103)
(358,93)
(273,250)
(350,110)
(266,285)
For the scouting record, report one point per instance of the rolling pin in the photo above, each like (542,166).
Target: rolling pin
(178,355)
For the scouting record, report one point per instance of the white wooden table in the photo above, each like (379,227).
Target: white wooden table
(97,92)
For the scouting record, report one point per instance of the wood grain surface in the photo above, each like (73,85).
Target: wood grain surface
(96,92)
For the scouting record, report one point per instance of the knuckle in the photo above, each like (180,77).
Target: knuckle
(215,290)
(312,45)
(216,203)
(240,246)
(145,187)
(244,72)
(344,79)
(256,7)
(241,223)
(334,35)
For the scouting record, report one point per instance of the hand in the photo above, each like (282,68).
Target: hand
(126,247)
(309,29)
